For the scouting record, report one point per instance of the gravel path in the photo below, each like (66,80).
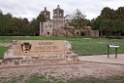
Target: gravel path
(5,44)
(65,72)
(104,59)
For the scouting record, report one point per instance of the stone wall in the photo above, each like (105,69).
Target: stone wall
(90,32)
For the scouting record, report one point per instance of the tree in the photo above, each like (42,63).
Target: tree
(6,24)
(41,17)
(78,19)
(107,13)
(110,22)
(120,14)
(12,26)
(96,24)
(35,24)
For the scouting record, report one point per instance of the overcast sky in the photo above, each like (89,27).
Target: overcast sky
(31,8)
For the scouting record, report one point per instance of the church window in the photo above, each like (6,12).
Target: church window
(77,33)
(48,33)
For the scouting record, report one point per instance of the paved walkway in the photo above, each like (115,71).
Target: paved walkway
(104,59)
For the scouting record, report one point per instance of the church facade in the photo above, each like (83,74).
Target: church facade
(58,25)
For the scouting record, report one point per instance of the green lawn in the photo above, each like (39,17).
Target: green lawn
(2,51)
(83,46)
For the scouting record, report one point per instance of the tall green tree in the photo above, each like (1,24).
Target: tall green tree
(78,19)
(6,24)
(110,22)
(36,22)
(120,20)
(12,26)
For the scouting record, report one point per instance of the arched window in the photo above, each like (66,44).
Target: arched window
(77,33)
(48,33)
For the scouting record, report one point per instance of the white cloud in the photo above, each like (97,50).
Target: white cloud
(31,8)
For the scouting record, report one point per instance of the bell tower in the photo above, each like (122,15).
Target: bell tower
(46,13)
(58,18)
(58,12)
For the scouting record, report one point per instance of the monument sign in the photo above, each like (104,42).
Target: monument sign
(38,52)
(35,48)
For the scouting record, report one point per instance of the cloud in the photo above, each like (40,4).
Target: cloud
(31,8)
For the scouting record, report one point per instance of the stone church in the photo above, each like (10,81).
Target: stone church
(58,25)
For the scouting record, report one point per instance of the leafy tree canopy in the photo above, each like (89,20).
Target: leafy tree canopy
(78,19)
(110,22)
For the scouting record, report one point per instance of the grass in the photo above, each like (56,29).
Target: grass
(83,46)
(42,79)
(11,80)
(111,79)
(96,46)
(37,78)
(2,51)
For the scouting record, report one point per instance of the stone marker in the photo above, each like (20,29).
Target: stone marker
(38,52)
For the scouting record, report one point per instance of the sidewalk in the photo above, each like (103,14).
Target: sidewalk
(104,59)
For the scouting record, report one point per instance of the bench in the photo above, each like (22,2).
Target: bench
(113,46)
